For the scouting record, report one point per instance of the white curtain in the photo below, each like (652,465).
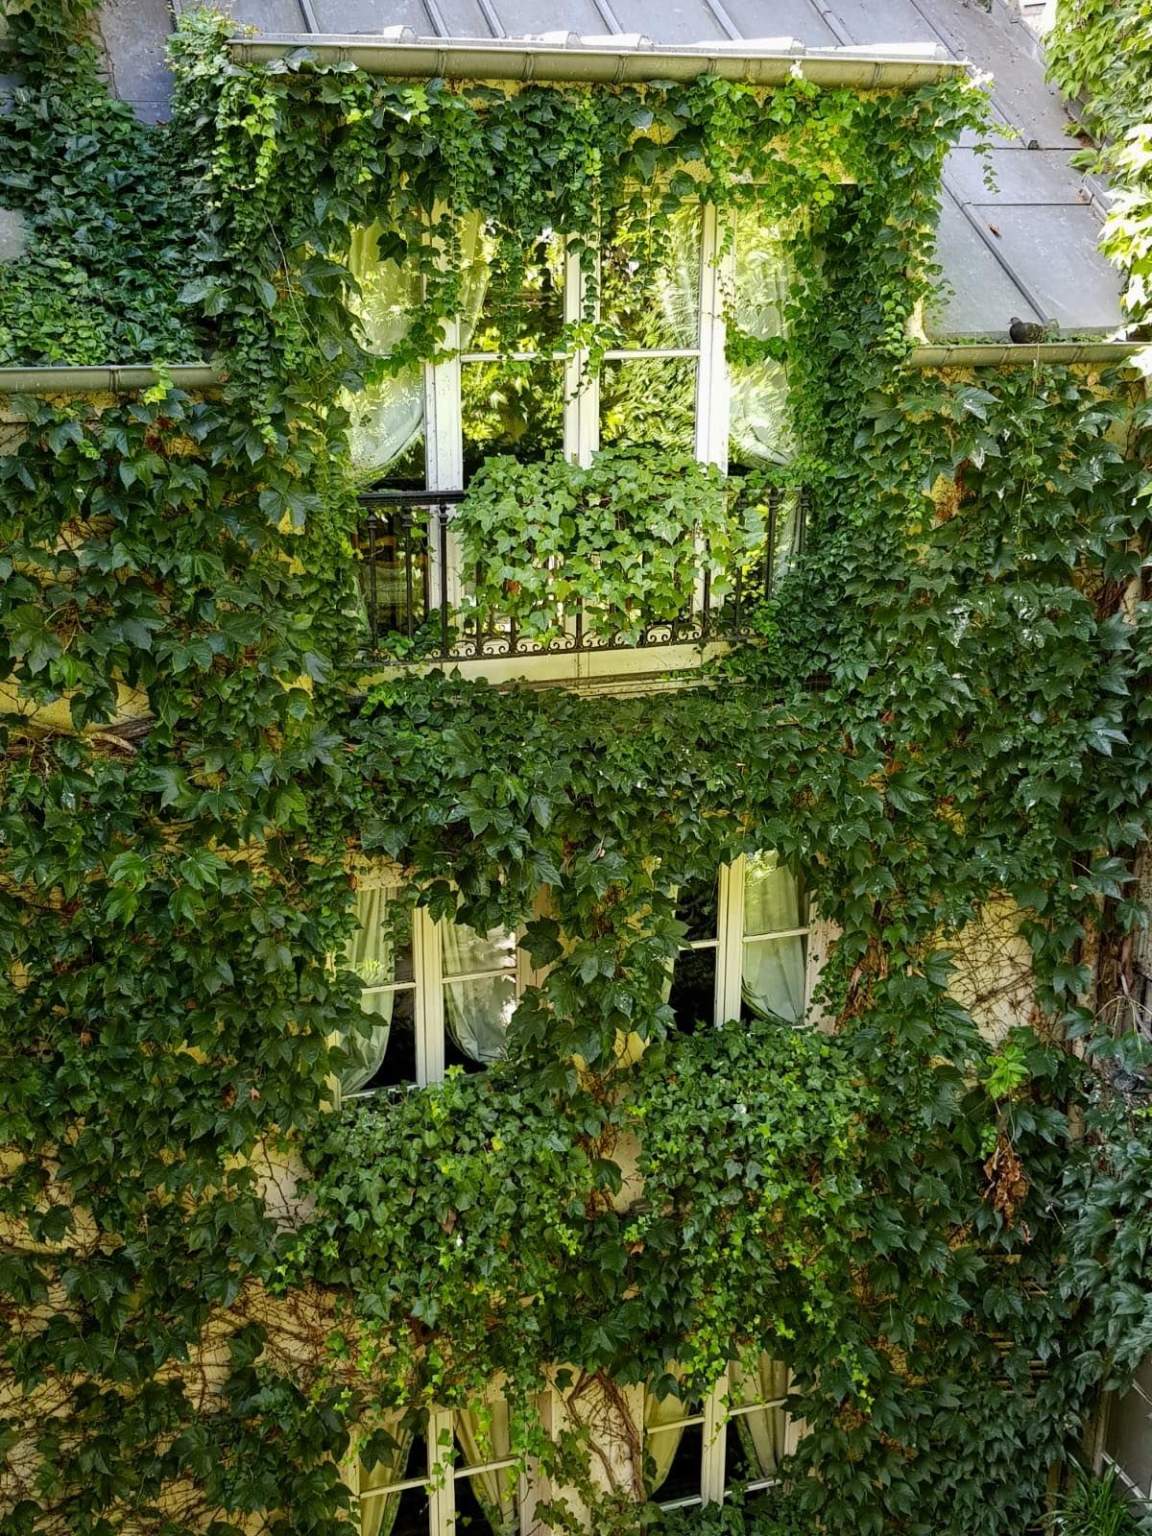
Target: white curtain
(378,1516)
(371,955)
(759,426)
(773,975)
(763,1434)
(387,417)
(660,1449)
(478,1012)
(486,1435)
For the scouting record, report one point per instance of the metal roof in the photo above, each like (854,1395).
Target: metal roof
(1027,248)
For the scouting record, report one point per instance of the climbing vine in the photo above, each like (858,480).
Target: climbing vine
(1102,53)
(211,1275)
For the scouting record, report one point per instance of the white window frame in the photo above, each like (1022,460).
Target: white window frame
(730,940)
(443,403)
(428,986)
(444,1469)
(716,1414)
(1137,1493)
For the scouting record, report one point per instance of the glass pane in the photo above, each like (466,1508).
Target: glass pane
(773,979)
(758,423)
(511,310)
(693,995)
(381,952)
(696,907)
(486,1504)
(477,1015)
(773,899)
(386,433)
(466,950)
(682,1479)
(650,290)
(759,429)
(405,1512)
(649,400)
(1130,1439)
(511,408)
(396,1011)
(760,275)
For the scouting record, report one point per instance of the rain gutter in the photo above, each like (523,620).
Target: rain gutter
(997,355)
(864,68)
(67,381)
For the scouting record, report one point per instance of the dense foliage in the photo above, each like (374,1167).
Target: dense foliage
(1101,51)
(627,537)
(106,208)
(907,1214)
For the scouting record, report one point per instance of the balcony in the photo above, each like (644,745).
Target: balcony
(421,607)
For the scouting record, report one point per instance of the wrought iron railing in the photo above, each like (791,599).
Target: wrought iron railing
(411,587)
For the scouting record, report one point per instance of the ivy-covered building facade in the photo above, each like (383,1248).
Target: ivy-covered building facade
(573,796)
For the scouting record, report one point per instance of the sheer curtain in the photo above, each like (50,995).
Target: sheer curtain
(486,1435)
(773,974)
(387,416)
(660,1450)
(477,1012)
(378,1516)
(371,955)
(763,1434)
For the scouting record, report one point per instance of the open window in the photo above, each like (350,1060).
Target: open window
(659,298)
(746,952)
(437,994)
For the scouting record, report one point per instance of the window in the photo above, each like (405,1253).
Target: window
(664,379)
(747,952)
(438,994)
(695,1452)
(1128,1440)
(460,1471)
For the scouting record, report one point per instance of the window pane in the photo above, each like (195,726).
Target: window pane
(696,907)
(386,435)
(678,1478)
(758,425)
(772,984)
(650,291)
(393,571)
(380,952)
(760,275)
(386,1057)
(651,401)
(759,431)
(1130,1439)
(773,899)
(466,950)
(485,1501)
(511,310)
(693,994)
(395,1513)
(511,407)
(477,1015)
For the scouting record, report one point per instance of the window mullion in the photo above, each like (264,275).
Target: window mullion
(427,963)
(442,1493)
(730,952)
(581,388)
(712,369)
(713,1470)
(444,450)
